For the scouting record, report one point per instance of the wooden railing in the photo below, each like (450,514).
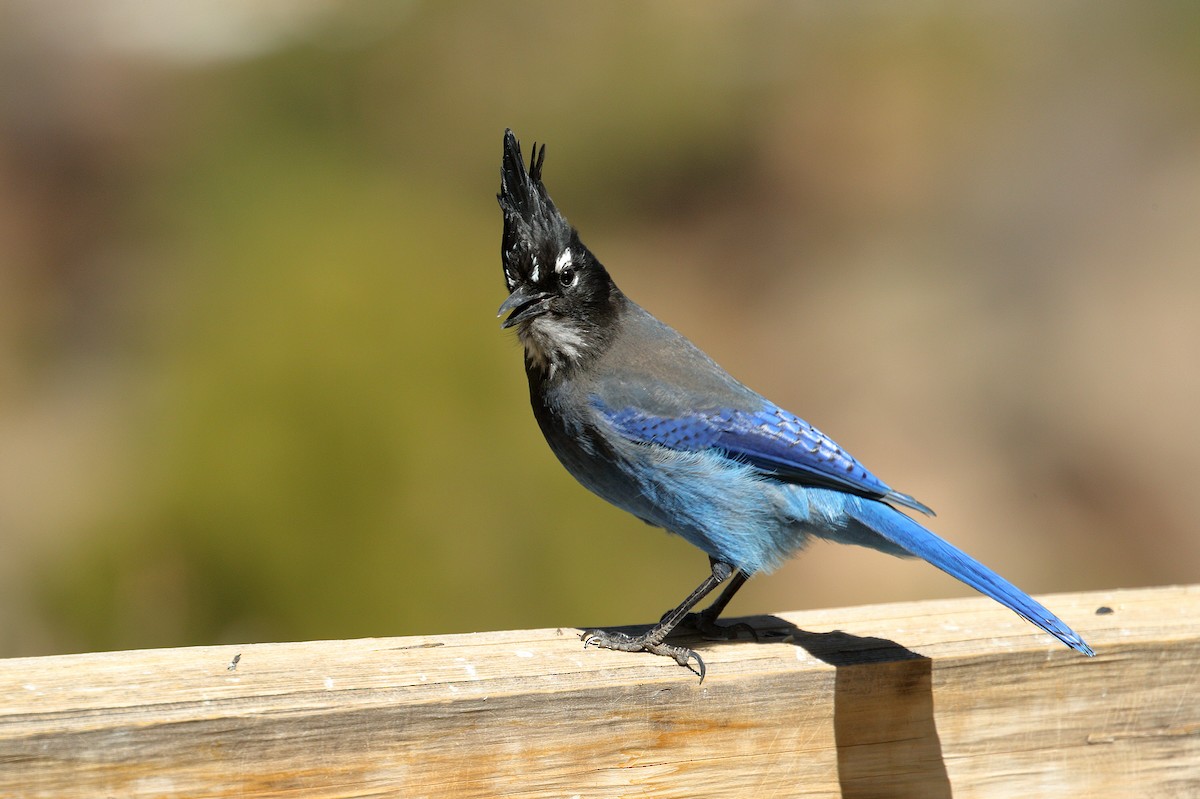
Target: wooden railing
(927,699)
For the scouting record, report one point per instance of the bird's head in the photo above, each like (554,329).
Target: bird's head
(561,299)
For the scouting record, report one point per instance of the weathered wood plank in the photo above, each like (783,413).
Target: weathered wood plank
(960,698)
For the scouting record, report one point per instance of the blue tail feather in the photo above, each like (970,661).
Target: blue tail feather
(903,532)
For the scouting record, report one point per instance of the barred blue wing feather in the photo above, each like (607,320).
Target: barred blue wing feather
(772,440)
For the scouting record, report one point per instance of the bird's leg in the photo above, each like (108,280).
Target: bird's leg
(705,622)
(652,640)
(711,612)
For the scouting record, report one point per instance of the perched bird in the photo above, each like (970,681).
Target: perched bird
(643,418)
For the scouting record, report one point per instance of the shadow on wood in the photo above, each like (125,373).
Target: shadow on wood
(883,715)
(883,722)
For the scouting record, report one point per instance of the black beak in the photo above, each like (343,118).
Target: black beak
(524,305)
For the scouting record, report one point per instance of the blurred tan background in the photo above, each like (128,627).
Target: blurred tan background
(252,386)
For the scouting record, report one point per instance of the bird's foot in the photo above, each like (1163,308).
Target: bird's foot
(708,628)
(611,639)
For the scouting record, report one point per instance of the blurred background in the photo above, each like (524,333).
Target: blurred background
(252,386)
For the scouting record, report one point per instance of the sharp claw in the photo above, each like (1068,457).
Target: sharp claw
(700,668)
(740,626)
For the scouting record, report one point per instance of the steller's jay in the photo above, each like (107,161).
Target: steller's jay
(647,421)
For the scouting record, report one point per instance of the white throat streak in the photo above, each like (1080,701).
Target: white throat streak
(552,342)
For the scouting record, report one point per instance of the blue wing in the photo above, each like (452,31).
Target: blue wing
(772,440)
(788,448)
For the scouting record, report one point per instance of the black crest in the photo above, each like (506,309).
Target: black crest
(533,226)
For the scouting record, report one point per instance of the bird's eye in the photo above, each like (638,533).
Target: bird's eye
(566,277)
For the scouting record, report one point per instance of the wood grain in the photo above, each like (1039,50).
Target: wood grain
(960,698)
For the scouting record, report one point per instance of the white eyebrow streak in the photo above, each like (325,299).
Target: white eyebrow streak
(534,276)
(564,260)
